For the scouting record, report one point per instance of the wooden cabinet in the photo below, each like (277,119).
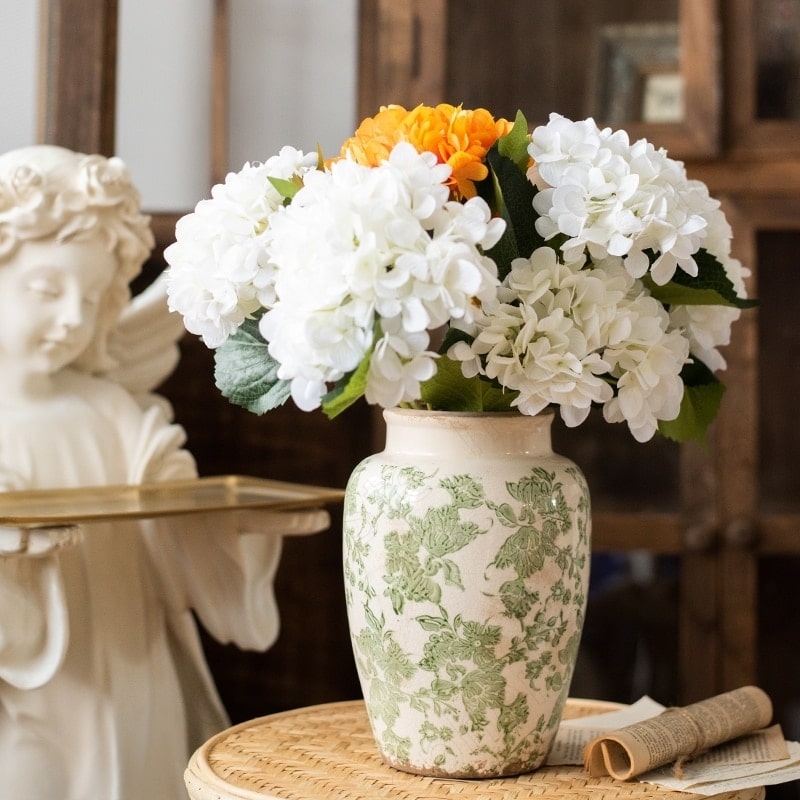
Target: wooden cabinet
(718,85)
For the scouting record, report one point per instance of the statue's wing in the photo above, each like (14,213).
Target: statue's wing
(145,341)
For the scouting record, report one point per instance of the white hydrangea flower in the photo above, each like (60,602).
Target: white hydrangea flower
(399,363)
(313,347)
(709,327)
(647,364)
(612,198)
(706,328)
(560,334)
(541,339)
(219,273)
(373,256)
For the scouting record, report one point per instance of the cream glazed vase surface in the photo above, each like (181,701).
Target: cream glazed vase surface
(466,564)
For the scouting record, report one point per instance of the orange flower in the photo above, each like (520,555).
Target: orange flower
(376,136)
(458,137)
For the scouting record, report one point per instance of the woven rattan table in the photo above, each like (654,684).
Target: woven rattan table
(327,751)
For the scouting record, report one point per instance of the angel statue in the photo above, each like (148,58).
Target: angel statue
(104,690)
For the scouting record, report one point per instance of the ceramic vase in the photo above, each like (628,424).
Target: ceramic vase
(466,563)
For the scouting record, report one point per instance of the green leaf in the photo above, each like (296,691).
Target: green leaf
(245,372)
(514,145)
(452,573)
(347,390)
(512,200)
(429,623)
(674,294)
(377,624)
(711,286)
(517,598)
(287,189)
(702,396)
(522,551)
(449,390)
(442,532)
(513,715)
(506,515)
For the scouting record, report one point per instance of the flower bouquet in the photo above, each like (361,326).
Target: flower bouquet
(449,261)
(445,259)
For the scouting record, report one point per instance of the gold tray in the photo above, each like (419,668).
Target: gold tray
(94,503)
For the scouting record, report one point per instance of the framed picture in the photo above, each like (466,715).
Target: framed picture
(662,97)
(637,75)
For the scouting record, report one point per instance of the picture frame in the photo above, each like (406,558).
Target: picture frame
(637,75)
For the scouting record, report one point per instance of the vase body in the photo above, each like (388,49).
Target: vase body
(466,563)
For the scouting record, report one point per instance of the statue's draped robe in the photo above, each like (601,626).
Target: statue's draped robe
(104,691)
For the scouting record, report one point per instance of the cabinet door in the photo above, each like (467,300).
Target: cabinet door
(760,502)
(763,79)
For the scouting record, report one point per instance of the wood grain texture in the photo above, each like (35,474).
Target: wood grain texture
(78,74)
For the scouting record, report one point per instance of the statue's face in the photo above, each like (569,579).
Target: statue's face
(50,295)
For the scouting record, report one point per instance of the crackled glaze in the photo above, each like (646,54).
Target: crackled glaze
(466,565)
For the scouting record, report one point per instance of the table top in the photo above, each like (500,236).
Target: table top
(327,751)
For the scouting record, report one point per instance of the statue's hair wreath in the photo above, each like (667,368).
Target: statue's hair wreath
(56,193)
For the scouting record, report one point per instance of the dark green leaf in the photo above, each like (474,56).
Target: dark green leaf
(245,372)
(512,200)
(696,373)
(711,286)
(453,335)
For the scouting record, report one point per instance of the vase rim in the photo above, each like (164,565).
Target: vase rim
(425,412)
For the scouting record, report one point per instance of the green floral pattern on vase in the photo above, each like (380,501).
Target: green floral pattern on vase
(466,577)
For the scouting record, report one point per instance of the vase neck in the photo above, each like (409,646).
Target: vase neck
(419,432)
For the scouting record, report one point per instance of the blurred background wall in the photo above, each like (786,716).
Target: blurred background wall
(292,80)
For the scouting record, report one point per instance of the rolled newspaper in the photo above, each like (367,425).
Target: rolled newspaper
(678,734)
